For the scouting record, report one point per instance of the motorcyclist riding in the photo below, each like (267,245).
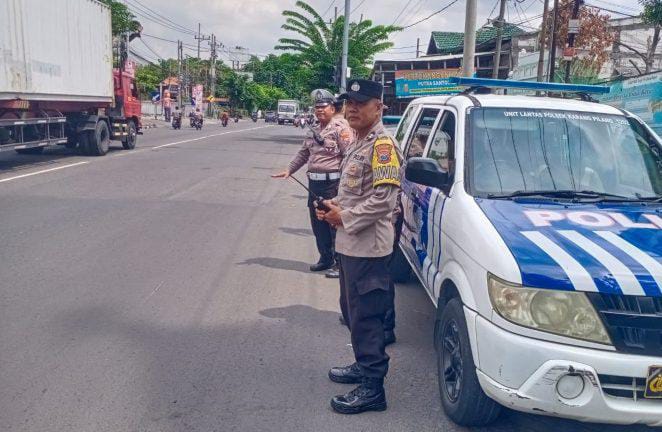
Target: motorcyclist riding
(177,118)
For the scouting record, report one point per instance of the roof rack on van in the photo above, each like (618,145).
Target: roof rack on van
(482,85)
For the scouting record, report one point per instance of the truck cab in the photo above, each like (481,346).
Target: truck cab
(534,224)
(127,99)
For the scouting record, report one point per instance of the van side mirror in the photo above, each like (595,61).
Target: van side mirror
(427,172)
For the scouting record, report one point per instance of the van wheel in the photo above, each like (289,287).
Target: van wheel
(461,396)
(399,267)
(99,140)
(131,138)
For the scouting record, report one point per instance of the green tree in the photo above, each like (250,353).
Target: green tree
(284,71)
(148,78)
(652,15)
(319,44)
(121,17)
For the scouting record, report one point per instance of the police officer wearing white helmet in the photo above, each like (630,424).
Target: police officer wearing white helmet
(323,150)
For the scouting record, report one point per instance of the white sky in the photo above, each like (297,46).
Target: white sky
(255,24)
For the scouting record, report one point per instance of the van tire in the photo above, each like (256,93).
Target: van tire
(99,140)
(463,399)
(399,266)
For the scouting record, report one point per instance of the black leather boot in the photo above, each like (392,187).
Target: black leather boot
(321,265)
(346,375)
(334,273)
(369,396)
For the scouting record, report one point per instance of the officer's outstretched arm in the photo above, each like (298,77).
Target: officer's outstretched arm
(300,159)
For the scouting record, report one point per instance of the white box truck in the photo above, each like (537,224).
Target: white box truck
(57,81)
(287,109)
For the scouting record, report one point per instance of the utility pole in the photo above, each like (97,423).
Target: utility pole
(200,38)
(552,48)
(180,54)
(498,23)
(571,38)
(418,45)
(335,14)
(543,39)
(345,49)
(212,70)
(469,39)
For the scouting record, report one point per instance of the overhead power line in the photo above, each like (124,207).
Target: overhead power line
(173,41)
(357,6)
(431,15)
(329,8)
(158,18)
(401,12)
(150,48)
(611,10)
(624,7)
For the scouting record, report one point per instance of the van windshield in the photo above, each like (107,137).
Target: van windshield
(529,150)
(286,108)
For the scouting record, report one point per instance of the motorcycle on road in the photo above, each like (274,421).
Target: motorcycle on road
(197,122)
(177,122)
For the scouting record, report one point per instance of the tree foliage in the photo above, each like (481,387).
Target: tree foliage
(121,17)
(148,78)
(284,71)
(652,13)
(593,41)
(319,44)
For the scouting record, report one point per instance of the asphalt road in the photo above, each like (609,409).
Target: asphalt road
(166,289)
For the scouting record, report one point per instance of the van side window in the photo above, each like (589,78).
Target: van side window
(442,147)
(404,124)
(419,136)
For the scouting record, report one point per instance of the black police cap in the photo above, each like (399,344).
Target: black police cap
(362,90)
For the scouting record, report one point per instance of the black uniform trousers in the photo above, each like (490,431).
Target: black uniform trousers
(325,235)
(364,292)
(389,318)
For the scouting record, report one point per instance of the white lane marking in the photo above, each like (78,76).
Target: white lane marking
(647,261)
(125,154)
(623,275)
(42,171)
(208,136)
(579,276)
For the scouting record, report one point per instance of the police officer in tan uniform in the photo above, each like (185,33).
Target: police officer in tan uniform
(323,151)
(362,211)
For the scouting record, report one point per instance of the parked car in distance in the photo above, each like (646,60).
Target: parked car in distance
(270,117)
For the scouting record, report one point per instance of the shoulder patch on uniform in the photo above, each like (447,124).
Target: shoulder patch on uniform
(385,162)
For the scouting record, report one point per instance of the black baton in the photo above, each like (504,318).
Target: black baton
(318,200)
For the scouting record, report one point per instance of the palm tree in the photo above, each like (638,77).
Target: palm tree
(320,43)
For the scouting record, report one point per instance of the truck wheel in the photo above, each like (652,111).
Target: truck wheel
(399,267)
(132,137)
(32,151)
(461,396)
(99,140)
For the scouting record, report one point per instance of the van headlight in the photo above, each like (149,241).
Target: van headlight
(567,313)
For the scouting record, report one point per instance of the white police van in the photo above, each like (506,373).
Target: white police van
(535,226)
